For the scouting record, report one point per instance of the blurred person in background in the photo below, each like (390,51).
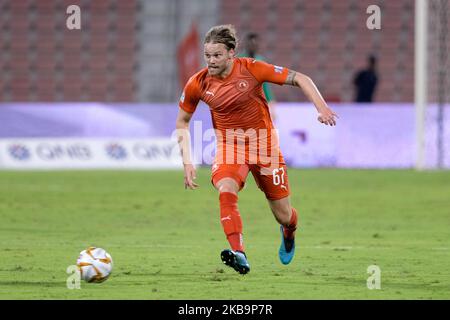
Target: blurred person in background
(252,46)
(365,81)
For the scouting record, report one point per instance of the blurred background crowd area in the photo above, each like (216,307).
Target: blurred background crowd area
(131,50)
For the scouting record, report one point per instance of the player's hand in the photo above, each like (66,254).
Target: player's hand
(189,177)
(327,116)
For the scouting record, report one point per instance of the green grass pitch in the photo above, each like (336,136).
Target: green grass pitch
(166,241)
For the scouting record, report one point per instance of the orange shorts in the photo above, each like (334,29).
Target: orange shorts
(272,181)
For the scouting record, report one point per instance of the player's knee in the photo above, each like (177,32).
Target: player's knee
(227,185)
(227,188)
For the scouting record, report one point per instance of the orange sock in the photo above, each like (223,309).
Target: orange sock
(236,242)
(231,220)
(289,230)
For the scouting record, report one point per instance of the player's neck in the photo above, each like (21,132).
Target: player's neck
(227,71)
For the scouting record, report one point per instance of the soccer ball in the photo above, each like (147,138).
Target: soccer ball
(95,264)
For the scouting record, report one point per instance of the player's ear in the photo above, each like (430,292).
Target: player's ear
(231,53)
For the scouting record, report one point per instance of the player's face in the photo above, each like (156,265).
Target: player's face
(218,58)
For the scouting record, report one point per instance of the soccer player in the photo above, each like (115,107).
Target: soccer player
(246,138)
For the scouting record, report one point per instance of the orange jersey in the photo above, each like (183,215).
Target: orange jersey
(237,101)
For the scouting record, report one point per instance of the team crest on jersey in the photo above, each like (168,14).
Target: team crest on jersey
(242,85)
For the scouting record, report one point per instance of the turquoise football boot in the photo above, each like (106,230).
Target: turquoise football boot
(287,248)
(236,260)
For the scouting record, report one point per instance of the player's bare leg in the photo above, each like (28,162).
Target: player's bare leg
(281,210)
(286,215)
(232,225)
(227,185)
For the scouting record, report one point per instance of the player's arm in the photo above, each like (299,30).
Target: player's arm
(184,143)
(263,71)
(188,103)
(326,115)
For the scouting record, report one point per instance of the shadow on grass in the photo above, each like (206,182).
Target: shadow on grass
(33,283)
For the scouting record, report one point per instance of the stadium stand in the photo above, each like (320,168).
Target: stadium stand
(126,49)
(42,60)
(328,40)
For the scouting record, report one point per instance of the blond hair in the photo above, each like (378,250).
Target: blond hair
(225,34)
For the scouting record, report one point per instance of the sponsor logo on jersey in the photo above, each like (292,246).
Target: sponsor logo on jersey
(210,93)
(278,69)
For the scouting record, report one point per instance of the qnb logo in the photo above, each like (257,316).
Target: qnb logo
(116,151)
(52,152)
(19,152)
(152,152)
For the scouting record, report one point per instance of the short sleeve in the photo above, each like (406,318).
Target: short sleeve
(190,97)
(266,72)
